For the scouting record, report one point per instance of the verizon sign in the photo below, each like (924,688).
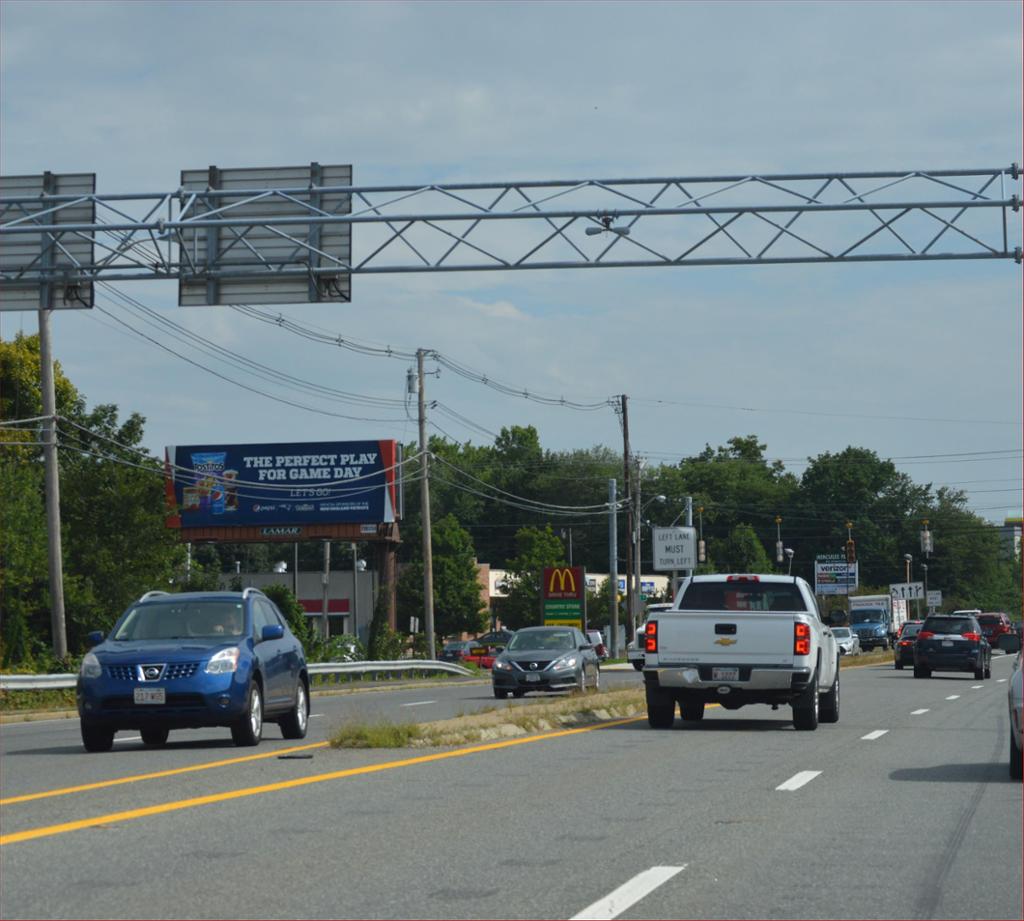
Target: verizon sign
(674,548)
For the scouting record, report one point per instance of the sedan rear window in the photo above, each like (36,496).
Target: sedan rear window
(742,596)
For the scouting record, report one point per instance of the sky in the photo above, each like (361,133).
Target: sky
(920,362)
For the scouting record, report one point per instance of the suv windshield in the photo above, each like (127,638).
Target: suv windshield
(175,620)
(553,640)
(742,596)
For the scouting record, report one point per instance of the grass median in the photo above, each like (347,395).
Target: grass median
(507,721)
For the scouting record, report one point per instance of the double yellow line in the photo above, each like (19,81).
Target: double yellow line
(128,815)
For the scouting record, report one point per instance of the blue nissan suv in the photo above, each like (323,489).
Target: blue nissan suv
(184,661)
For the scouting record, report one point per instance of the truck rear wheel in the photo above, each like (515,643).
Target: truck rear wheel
(661,709)
(805,707)
(692,711)
(829,712)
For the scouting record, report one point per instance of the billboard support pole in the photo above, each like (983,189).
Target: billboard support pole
(326,580)
(428,563)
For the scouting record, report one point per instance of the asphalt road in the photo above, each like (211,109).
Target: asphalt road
(904,809)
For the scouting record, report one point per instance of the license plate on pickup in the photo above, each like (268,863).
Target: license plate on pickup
(725,674)
(150,695)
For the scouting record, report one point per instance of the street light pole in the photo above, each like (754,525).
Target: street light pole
(924,567)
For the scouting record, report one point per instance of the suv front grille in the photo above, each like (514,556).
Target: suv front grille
(173,670)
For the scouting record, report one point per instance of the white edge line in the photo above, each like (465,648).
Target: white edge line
(871,736)
(798,780)
(628,894)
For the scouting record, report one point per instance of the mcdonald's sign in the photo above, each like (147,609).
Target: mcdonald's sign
(564,591)
(564,582)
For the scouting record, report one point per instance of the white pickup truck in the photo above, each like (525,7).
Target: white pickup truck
(741,639)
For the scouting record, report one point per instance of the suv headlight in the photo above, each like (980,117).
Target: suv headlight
(502,666)
(91,667)
(224,662)
(565,662)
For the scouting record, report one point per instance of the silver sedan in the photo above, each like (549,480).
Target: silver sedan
(847,641)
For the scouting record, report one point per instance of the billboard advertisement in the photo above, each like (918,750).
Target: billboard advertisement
(833,575)
(564,593)
(324,482)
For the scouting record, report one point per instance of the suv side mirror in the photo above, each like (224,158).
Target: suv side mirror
(272,632)
(1009,642)
(95,638)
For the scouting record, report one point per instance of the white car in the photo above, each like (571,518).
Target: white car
(847,641)
(1016,704)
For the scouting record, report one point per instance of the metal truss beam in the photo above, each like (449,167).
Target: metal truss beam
(841,217)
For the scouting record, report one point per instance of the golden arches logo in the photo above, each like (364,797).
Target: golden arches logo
(563,576)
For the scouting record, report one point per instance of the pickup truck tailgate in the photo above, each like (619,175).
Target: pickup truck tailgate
(733,637)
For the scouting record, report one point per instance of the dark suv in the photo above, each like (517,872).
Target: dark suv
(194,659)
(952,643)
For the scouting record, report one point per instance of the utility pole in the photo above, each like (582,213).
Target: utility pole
(613,572)
(52,474)
(637,555)
(631,513)
(428,559)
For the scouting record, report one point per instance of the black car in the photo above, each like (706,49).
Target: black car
(546,659)
(903,648)
(952,643)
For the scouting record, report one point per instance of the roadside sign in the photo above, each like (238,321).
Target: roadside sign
(833,575)
(564,591)
(909,591)
(674,548)
(934,600)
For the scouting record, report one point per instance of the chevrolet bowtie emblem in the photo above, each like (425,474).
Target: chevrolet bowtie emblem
(725,641)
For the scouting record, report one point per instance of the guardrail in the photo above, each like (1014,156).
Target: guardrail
(67,680)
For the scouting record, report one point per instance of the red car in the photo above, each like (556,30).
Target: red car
(994,626)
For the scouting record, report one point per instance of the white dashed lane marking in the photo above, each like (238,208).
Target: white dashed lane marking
(871,736)
(628,894)
(918,712)
(420,703)
(953,697)
(798,780)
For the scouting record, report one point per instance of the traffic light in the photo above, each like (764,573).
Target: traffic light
(851,551)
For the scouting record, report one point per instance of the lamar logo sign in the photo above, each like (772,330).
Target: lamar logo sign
(564,582)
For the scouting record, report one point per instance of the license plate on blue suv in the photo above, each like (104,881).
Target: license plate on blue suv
(150,696)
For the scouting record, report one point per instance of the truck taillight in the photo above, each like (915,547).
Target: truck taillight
(651,636)
(743,579)
(801,639)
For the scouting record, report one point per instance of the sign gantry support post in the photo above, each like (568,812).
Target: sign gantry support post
(428,558)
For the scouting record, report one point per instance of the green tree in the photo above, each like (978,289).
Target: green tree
(458,604)
(294,613)
(742,551)
(537,548)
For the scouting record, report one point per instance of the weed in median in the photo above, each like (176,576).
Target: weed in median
(376,735)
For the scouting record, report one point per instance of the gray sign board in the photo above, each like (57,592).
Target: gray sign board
(674,548)
(260,262)
(26,255)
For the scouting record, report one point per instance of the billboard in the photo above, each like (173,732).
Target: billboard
(280,485)
(833,575)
